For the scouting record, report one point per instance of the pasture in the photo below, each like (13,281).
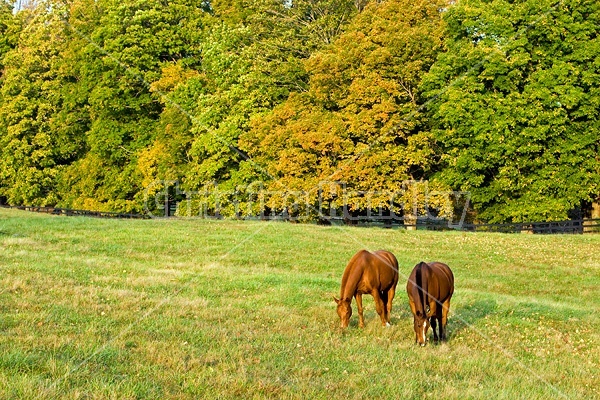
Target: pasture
(176,309)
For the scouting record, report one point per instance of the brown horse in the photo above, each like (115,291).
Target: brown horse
(368,273)
(430,288)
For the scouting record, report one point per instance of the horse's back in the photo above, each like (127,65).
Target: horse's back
(445,278)
(388,259)
(387,266)
(443,270)
(377,270)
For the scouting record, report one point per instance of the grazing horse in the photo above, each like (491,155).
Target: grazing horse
(430,287)
(368,273)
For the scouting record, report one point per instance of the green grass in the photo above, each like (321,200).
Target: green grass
(97,309)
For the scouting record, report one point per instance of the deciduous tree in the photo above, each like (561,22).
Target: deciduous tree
(359,122)
(515,105)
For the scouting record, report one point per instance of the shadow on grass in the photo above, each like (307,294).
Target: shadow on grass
(461,318)
(465,316)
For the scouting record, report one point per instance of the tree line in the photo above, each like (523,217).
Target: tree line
(360,104)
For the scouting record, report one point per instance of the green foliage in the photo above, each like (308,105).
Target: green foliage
(8,31)
(251,63)
(518,106)
(40,137)
(129,42)
(104,103)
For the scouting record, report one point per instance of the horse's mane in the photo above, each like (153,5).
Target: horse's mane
(421,286)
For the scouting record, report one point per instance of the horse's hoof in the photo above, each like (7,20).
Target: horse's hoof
(387,324)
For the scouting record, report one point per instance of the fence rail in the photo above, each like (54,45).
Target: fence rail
(576,226)
(70,212)
(569,226)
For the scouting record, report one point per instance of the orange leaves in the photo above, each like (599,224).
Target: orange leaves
(356,122)
(172,76)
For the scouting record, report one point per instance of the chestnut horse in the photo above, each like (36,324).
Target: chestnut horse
(430,287)
(368,273)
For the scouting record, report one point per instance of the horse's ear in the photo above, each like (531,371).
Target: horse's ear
(336,300)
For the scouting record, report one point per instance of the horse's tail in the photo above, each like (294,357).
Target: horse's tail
(422,286)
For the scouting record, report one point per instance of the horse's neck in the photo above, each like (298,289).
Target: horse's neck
(350,282)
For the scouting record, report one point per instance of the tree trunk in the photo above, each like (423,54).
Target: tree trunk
(410,222)
(593,226)
(596,209)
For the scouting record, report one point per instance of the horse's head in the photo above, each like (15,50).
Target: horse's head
(344,310)
(421,325)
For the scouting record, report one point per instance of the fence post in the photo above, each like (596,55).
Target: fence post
(167,207)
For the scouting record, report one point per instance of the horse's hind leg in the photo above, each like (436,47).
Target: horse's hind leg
(379,305)
(390,298)
(444,321)
(384,302)
(359,306)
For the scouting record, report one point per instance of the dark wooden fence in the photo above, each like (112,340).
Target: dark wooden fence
(575,226)
(569,226)
(71,212)
(433,224)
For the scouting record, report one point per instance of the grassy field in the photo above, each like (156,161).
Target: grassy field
(180,309)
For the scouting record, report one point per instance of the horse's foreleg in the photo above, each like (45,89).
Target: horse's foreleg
(433,322)
(359,306)
(444,321)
